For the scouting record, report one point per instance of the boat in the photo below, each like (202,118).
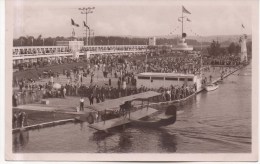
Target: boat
(211,87)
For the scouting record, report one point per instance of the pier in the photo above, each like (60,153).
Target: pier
(73,111)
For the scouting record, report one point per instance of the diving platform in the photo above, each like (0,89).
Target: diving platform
(108,124)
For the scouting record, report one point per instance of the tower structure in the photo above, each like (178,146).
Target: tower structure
(182,45)
(243,53)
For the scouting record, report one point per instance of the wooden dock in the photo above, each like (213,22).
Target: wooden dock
(104,125)
(43,125)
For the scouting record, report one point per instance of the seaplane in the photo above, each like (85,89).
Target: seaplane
(133,109)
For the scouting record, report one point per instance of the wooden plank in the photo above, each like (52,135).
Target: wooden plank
(104,125)
(42,125)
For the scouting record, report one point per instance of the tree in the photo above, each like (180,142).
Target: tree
(237,49)
(214,48)
(232,48)
(249,47)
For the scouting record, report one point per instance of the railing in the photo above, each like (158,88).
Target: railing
(35,52)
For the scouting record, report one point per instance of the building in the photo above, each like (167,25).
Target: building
(157,80)
(152,41)
(243,53)
(62,43)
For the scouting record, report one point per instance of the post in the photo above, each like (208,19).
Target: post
(86,29)
(89,36)
(87,11)
(105,117)
(93,38)
(182,24)
(147,104)
(146,63)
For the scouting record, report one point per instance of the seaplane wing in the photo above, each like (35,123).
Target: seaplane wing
(111,105)
(115,103)
(108,124)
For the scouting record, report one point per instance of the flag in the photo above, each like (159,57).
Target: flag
(188,20)
(243,26)
(179,20)
(73,23)
(185,10)
(85,25)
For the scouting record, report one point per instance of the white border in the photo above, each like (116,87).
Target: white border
(123,157)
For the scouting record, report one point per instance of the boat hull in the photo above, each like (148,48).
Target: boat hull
(211,88)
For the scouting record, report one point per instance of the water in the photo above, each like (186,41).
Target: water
(215,122)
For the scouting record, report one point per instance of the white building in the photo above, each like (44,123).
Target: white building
(152,41)
(243,53)
(157,80)
(75,47)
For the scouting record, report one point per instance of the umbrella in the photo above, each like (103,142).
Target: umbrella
(56,86)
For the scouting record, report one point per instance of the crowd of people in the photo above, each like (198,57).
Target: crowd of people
(19,119)
(227,60)
(121,67)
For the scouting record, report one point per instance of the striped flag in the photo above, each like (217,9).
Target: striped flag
(179,19)
(73,23)
(243,26)
(188,20)
(185,10)
(85,25)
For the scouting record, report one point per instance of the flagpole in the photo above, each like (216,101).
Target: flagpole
(89,37)
(87,11)
(182,23)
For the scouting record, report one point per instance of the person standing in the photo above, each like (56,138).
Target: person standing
(97,99)
(81,78)
(15,97)
(91,99)
(81,107)
(64,92)
(109,81)
(124,88)
(52,80)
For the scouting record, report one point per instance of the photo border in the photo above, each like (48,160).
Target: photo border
(253,156)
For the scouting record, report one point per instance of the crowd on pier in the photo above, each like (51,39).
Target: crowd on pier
(121,67)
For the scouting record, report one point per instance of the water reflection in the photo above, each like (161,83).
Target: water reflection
(20,140)
(125,142)
(168,141)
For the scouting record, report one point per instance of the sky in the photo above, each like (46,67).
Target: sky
(136,18)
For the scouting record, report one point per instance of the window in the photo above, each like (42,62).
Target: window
(144,77)
(171,78)
(190,79)
(157,78)
(182,79)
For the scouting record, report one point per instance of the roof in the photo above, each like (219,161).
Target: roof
(115,103)
(158,74)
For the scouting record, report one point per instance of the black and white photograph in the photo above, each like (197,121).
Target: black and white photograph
(132,80)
